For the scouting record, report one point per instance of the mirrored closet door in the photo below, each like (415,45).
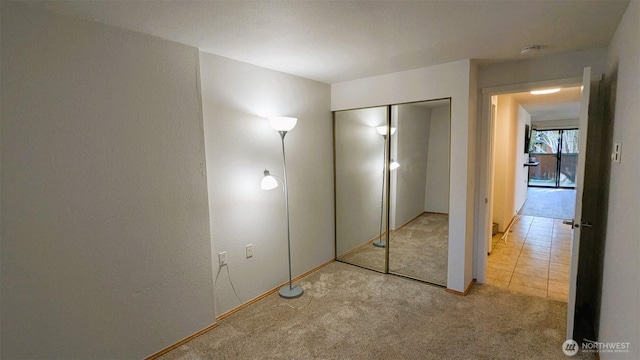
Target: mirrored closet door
(419,206)
(360,190)
(392,171)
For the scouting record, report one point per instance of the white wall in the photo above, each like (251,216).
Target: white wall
(451,80)
(504,159)
(620,309)
(554,67)
(105,229)
(510,176)
(437,181)
(240,145)
(411,176)
(521,172)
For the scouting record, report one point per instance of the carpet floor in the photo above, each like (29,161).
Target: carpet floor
(418,250)
(348,312)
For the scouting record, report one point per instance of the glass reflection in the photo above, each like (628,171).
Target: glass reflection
(416,146)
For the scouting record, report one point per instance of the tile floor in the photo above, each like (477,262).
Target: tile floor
(535,259)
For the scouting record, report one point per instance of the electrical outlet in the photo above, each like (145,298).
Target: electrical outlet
(222,258)
(617,152)
(249,250)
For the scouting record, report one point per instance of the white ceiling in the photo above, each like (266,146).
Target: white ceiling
(333,41)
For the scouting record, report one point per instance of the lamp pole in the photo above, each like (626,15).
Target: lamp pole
(380,242)
(286,203)
(289,291)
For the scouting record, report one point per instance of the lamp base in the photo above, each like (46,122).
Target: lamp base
(380,243)
(292,292)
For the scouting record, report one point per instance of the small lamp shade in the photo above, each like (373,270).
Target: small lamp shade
(282,123)
(268,181)
(394,165)
(382,130)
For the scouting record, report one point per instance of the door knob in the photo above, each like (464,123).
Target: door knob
(575,225)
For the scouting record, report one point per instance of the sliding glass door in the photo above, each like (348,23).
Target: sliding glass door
(568,158)
(556,152)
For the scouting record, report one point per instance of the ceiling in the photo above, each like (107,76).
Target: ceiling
(334,41)
(563,105)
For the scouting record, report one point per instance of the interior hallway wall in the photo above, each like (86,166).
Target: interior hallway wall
(240,145)
(620,309)
(105,229)
(521,177)
(510,176)
(544,68)
(504,160)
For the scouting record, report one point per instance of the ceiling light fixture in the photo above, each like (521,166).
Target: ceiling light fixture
(545,91)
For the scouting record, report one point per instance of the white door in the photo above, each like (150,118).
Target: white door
(582,150)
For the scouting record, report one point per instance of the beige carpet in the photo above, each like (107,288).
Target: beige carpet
(348,312)
(418,250)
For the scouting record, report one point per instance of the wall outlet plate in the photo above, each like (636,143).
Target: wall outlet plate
(222,258)
(249,250)
(617,152)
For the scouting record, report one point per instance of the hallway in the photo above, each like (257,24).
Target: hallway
(534,260)
(550,203)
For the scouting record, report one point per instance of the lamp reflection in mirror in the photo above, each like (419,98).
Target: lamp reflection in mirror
(282,125)
(382,130)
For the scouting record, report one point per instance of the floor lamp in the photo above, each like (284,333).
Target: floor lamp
(382,130)
(282,125)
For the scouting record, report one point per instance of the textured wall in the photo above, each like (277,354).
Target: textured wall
(105,249)
(240,145)
(521,177)
(620,312)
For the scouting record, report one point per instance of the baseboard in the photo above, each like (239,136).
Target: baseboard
(436,212)
(181,342)
(466,291)
(417,216)
(364,244)
(264,295)
(408,222)
(234,310)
